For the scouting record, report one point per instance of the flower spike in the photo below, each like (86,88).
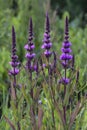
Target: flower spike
(30,47)
(14,63)
(46,41)
(65,57)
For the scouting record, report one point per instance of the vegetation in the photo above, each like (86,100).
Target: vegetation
(46,117)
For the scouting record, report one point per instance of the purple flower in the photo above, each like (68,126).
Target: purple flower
(66,56)
(29,48)
(64,81)
(47,53)
(30,56)
(46,41)
(46,46)
(14,72)
(66,50)
(14,63)
(66,44)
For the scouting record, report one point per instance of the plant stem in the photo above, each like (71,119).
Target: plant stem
(53,119)
(16,104)
(64,107)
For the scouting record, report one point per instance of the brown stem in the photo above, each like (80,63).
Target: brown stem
(15,96)
(18,125)
(64,107)
(53,119)
(32,107)
(10,123)
(64,110)
(40,116)
(32,116)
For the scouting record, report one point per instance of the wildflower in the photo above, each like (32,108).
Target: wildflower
(30,47)
(64,80)
(66,56)
(46,41)
(14,63)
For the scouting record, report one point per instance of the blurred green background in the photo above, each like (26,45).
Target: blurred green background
(18,12)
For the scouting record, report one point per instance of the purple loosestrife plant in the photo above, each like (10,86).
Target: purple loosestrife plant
(30,47)
(14,63)
(46,41)
(32,65)
(64,100)
(66,56)
(44,93)
(13,72)
(47,45)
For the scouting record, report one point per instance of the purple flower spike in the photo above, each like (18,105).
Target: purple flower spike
(46,41)
(29,47)
(14,63)
(66,56)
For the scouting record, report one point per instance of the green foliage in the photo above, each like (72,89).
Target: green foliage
(4,57)
(67,5)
